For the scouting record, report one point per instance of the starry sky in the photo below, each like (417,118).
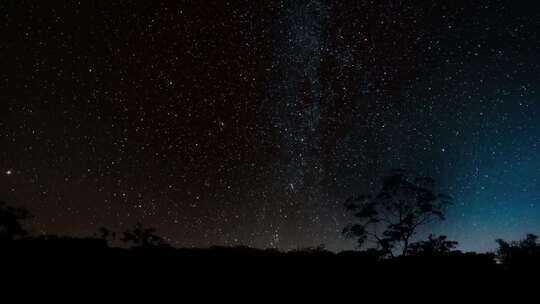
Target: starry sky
(251,122)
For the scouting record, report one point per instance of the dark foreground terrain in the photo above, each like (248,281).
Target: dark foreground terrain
(90,264)
(96,254)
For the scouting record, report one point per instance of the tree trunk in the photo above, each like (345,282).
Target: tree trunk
(405,247)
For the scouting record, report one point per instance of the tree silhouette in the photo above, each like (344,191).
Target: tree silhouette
(525,251)
(391,217)
(432,246)
(11,219)
(106,234)
(143,237)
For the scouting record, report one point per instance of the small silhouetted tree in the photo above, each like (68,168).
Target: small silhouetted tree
(432,246)
(525,251)
(391,217)
(106,234)
(140,236)
(11,222)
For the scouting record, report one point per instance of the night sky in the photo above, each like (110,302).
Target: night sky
(251,122)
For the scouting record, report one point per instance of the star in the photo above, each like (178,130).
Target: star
(197,141)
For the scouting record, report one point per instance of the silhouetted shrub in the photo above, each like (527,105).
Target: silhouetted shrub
(523,252)
(11,222)
(142,237)
(432,246)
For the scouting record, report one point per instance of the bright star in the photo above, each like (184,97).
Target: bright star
(9,172)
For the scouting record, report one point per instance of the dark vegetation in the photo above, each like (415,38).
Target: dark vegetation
(390,218)
(385,228)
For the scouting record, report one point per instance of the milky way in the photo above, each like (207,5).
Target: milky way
(251,122)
